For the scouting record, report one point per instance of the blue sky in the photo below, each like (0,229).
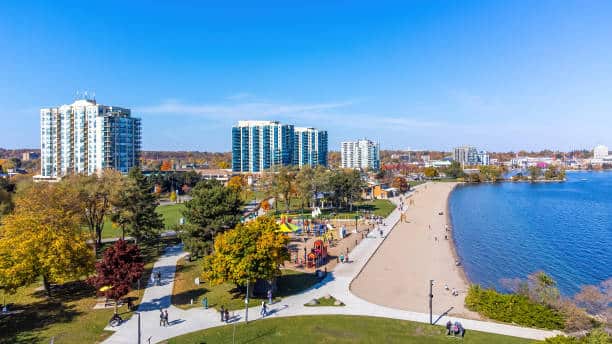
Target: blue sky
(501,75)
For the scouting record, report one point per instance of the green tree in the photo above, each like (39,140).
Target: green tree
(535,173)
(454,170)
(94,196)
(7,188)
(134,209)
(345,187)
(305,185)
(214,208)
(283,185)
(249,252)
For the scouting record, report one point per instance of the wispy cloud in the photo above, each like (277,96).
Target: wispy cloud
(251,109)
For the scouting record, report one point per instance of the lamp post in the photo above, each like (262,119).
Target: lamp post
(139,334)
(246,304)
(430,301)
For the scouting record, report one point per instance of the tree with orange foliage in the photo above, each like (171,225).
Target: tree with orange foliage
(265,205)
(165,166)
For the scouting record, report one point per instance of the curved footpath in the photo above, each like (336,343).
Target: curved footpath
(416,251)
(336,284)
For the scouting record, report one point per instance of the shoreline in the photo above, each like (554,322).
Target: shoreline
(453,245)
(414,252)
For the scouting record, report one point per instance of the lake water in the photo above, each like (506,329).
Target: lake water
(510,230)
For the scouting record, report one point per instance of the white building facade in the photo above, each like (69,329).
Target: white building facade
(600,152)
(86,137)
(363,154)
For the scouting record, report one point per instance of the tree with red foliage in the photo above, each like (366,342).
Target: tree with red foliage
(121,266)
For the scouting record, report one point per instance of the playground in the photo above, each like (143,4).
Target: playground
(322,244)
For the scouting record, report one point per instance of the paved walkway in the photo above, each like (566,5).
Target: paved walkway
(336,284)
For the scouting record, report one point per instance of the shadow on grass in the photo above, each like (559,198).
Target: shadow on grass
(184,298)
(293,283)
(23,327)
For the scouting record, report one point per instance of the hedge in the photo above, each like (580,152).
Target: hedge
(512,308)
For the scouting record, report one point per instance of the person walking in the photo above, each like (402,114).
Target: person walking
(166,323)
(222,311)
(270,296)
(158,275)
(226,315)
(161,317)
(263,310)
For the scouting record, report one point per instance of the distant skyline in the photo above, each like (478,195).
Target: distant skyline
(424,74)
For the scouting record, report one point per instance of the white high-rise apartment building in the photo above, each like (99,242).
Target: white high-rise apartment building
(86,137)
(363,154)
(600,152)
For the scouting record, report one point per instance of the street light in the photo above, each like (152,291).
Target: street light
(138,313)
(430,301)
(246,304)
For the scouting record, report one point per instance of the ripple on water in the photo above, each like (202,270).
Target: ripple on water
(510,230)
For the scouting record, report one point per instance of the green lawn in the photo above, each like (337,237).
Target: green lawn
(171,214)
(226,294)
(379,207)
(337,329)
(325,302)
(68,316)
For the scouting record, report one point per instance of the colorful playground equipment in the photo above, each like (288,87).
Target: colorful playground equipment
(317,255)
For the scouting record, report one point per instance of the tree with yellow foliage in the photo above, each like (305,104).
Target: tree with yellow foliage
(236,182)
(43,238)
(249,252)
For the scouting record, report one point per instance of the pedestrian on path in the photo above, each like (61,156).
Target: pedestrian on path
(222,311)
(166,323)
(161,317)
(270,296)
(263,310)
(226,316)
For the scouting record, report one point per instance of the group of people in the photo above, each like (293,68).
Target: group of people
(156,278)
(455,329)
(225,316)
(454,292)
(163,317)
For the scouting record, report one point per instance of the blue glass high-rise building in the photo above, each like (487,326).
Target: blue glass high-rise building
(260,145)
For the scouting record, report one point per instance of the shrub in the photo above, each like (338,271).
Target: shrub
(512,308)
(597,336)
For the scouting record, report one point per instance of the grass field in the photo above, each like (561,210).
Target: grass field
(226,294)
(68,316)
(171,214)
(379,207)
(337,329)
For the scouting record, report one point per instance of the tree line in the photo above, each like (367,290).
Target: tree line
(53,230)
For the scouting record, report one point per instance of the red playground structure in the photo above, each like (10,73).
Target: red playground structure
(317,255)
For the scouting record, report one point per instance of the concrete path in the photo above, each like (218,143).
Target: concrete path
(336,284)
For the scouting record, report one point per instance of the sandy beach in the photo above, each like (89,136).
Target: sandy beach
(416,251)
